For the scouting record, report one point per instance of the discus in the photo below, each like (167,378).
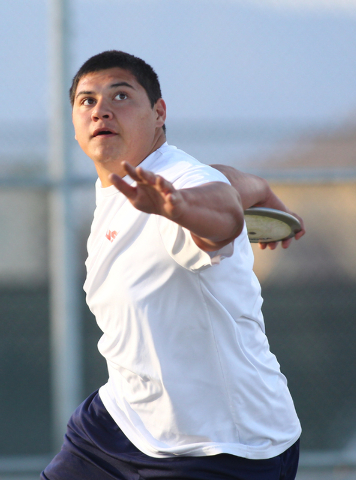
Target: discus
(269,225)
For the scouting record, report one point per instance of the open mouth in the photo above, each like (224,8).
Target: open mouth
(103,133)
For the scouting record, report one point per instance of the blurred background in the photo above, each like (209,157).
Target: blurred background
(266,86)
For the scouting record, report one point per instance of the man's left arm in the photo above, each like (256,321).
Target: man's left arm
(255,191)
(212,212)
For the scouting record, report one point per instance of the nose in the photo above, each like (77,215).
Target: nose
(101,111)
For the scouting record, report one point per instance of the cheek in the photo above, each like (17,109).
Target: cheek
(80,121)
(77,135)
(82,140)
(147,122)
(79,131)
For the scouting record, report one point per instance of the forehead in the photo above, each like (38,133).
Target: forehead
(105,78)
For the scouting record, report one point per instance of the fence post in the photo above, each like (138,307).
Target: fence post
(66,371)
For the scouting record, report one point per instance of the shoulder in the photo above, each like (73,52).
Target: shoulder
(183,170)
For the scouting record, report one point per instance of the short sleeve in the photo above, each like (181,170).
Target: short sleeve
(199,175)
(180,245)
(224,252)
(186,172)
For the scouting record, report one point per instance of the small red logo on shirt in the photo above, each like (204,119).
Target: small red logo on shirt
(111,235)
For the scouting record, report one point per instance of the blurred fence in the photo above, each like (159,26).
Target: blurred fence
(309,290)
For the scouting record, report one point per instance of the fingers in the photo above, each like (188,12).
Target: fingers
(144,176)
(270,245)
(151,193)
(285,243)
(164,186)
(137,174)
(122,186)
(299,234)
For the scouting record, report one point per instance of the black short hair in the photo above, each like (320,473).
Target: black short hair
(144,73)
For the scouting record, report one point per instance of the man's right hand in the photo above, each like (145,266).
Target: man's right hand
(256,192)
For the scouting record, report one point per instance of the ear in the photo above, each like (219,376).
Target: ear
(161,111)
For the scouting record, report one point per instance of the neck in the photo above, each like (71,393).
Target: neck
(115,166)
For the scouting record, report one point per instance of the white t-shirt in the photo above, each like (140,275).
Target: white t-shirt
(190,370)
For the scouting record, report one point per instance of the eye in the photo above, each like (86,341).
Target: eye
(121,96)
(88,101)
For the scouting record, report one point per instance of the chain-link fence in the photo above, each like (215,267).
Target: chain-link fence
(309,308)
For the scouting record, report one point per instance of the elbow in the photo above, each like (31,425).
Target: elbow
(239,226)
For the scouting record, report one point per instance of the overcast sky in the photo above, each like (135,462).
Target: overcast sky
(292,62)
(215,58)
(333,6)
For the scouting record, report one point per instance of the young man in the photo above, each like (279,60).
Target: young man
(193,390)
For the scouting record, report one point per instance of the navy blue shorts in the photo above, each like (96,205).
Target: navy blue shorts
(95,448)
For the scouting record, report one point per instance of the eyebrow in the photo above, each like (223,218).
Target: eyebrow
(114,85)
(121,84)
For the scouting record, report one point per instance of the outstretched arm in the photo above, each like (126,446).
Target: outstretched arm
(212,212)
(256,192)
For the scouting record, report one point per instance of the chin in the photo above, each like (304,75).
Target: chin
(105,157)
(104,160)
